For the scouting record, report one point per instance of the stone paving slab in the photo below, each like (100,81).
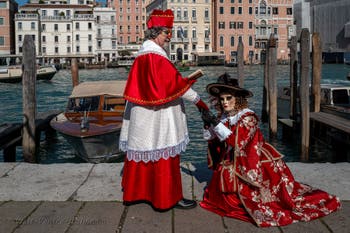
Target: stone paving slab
(76,217)
(103,184)
(330,177)
(53,217)
(315,226)
(340,220)
(142,218)
(13,213)
(197,220)
(238,226)
(42,182)
(95,217)
(187,181)
(201,176)
(6,167)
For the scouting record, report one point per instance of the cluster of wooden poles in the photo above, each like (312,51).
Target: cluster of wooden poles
(269,109)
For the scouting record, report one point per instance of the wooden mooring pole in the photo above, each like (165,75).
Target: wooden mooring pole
(316,71)
(29,99)
(75,72)
(265,100)
(304,93)
(293,79)
(240,64)
(272,86)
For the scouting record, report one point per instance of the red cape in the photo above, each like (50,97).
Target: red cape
(154,80)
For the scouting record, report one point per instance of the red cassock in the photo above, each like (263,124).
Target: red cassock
(153,81)
(264,190)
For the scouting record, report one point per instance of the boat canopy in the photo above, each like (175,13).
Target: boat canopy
(96,88)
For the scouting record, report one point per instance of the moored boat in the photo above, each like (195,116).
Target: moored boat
(92,121)
(231,64)
(13,74)
(335,99)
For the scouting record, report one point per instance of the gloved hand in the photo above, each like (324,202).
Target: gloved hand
(209,118)
(202,106)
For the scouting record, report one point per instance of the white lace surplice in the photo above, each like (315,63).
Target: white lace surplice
(152,133)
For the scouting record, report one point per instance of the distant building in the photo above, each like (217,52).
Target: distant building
(331,19)
(78,2)
(59,31)
(8,8)
(191,34)
(63,31)
(106,34)
(130,21)
(252,22)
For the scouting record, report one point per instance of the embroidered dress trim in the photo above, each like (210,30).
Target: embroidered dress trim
(154,155)
(165,100)
(234,119)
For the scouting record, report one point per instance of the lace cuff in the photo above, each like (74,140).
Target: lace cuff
(222,131)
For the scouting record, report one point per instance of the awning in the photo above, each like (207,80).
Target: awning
(96,88)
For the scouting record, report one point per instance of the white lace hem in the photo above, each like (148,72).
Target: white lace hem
(154,155)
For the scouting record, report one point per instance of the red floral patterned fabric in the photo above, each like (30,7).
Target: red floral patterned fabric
(266,192)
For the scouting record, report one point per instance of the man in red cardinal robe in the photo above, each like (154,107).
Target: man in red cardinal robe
(154,130)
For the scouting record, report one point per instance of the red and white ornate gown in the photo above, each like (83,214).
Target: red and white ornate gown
(264,191)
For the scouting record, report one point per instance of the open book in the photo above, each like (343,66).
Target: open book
(197,74)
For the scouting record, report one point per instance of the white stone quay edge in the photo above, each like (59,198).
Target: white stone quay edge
(102,182)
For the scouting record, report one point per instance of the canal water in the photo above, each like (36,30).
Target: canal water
(52,95)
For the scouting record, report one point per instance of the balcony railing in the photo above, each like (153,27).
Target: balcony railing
(106,22)
(83,17)
(181,19)
(265,36)
(55,18)
(27,16)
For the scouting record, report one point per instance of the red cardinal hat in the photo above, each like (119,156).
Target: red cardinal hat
(160,18)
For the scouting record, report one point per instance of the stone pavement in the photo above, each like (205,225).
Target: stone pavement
(87,198)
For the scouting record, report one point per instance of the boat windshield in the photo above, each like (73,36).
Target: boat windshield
(82,104)
(341,96)
(114,104)
(335,97)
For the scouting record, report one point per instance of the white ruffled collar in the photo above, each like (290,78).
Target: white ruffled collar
(150,46)
(234,119)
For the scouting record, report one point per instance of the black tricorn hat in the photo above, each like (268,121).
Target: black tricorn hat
(227,84)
